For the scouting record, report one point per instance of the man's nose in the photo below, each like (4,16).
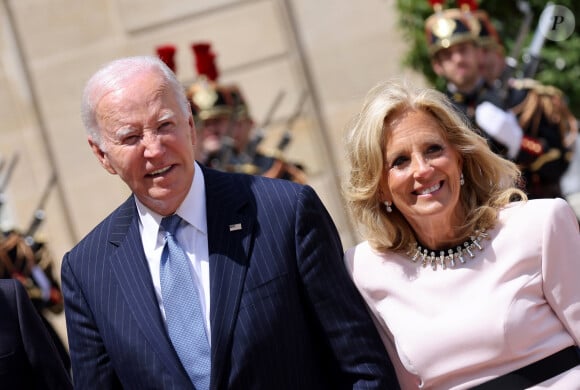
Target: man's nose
(152,143)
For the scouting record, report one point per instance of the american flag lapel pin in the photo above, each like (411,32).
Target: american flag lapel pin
(235,226)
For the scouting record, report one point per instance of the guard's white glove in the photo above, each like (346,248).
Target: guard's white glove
(500,125)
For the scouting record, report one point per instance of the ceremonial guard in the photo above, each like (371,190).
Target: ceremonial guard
(25,257)
(227,136)
(523,120)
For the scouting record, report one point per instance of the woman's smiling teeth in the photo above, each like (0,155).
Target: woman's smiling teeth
(160,171)
(430,189)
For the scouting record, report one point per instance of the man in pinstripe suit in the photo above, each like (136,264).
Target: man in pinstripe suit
(280,310)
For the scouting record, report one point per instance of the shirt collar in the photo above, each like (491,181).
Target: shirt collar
(192,210)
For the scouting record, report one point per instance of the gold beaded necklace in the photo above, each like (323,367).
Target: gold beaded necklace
(428,256)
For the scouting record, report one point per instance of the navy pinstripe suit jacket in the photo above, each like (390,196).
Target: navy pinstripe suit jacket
(284,312)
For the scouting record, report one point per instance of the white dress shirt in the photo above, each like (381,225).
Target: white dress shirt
(192,236)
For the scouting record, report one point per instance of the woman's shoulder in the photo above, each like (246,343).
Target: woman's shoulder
(363,256)
(538,204)
(362,248)
(365,249)
(537,209)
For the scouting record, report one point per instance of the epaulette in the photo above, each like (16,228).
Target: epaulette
(536,86)
(544,105)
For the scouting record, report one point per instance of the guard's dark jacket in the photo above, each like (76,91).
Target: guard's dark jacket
(545,120)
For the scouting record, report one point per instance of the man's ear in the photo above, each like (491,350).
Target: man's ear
(437,68)
(193,131)
(101,156)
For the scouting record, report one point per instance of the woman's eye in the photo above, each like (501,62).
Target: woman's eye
(399,161)
(434,149)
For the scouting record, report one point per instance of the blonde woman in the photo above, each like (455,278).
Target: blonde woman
(469,283)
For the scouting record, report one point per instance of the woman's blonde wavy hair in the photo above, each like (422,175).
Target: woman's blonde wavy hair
(491,181)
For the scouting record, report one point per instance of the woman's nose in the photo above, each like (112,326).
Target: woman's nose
(421,166)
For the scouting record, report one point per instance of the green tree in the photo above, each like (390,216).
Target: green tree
(559,61)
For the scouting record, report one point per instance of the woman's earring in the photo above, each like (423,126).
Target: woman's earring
(388,206)
(461,180)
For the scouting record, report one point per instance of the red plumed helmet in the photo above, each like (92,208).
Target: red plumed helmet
(205,60)
(436,4)
(167,54)
(467,5)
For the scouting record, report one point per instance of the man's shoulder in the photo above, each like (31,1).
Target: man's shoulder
(259,185)
(118,218)
(10,288)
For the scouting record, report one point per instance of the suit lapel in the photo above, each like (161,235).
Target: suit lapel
(230,223)
(130,267)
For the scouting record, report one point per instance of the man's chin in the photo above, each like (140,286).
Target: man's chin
(160,202)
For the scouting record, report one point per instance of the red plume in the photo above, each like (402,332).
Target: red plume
(167,53)
(205,60)
(467,5)
(437,5)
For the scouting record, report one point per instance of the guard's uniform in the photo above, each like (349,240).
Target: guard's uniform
(549,134)
(547,125)
(29,261)
(221,111)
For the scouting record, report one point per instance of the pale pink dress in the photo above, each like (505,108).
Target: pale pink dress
(516,302)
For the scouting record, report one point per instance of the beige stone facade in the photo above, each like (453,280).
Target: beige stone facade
(332,50)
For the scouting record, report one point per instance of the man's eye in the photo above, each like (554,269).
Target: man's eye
(165,126)
(131,139)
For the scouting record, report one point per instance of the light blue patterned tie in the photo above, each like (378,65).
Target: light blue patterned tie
(183,313)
